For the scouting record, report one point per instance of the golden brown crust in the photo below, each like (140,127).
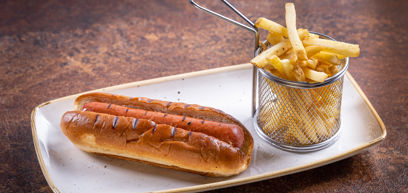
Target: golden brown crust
(160,144)
(178,108)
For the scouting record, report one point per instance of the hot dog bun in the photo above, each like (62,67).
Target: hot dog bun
(158,144)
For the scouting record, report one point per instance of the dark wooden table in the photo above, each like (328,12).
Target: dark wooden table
(50,49)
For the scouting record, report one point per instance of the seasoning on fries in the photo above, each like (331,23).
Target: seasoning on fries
(310,58)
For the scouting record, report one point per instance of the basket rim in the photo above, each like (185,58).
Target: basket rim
(304,85)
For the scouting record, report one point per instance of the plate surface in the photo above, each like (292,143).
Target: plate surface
(67,169)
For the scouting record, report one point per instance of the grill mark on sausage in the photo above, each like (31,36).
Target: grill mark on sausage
(134,123)
(173,131)
(115,120)
(96,118)
(149,101)
(189,134)
(202,108)
(186,106)
(109,106)
(151,116)
(168,104)
(154,127)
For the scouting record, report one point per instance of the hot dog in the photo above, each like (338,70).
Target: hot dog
(186,137)
(229,133)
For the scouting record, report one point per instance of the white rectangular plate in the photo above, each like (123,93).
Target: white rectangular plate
(67,169)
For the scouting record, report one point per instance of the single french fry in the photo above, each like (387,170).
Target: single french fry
(271,26)
(319,68)
(277,31)
(323,67)
(327,57)
(288,69)
(346,49)
(302,63)
(339,56)
(312,63)
(276,73)
(311,36)
(303,33)
(298,73)
(315,75)
(292,32)
(274,38)
(278,49)
(312,50)
(291,55)
(285,55)
(276,63)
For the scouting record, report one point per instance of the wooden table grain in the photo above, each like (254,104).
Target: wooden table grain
(50,49)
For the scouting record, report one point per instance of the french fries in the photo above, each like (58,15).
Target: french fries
(278,49)
(304,51)
(274,38)
(303,34)
(327,57)
(288,69)
(276,63)
(345,49)
(271,26)
(315,75)
(312,50)
(298,73)
(301,116)
(292,32)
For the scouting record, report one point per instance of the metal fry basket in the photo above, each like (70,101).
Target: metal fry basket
(293,116)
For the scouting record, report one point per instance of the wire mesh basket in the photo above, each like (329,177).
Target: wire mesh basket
(293,116)
(299,116)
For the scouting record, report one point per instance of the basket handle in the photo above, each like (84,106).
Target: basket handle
(251,28)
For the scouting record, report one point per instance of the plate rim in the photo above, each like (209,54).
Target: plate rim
(221,184)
